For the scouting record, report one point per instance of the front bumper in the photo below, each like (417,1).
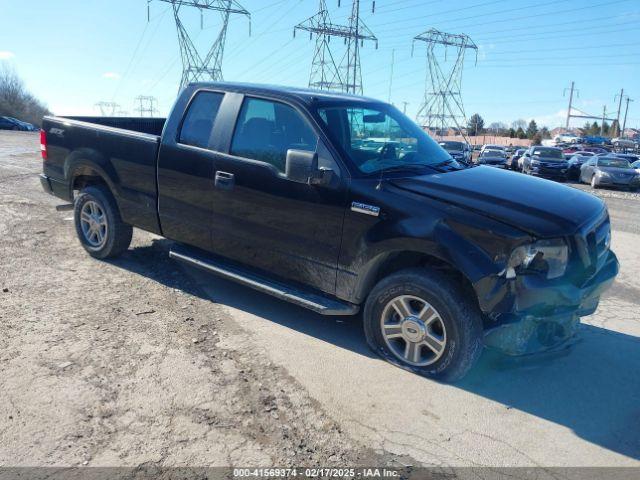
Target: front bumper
(532,314)
(619,182)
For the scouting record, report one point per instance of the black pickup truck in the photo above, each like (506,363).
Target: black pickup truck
(337,203)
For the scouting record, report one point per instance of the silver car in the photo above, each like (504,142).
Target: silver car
(609,170)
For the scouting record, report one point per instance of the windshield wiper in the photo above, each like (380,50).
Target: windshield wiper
(410,166)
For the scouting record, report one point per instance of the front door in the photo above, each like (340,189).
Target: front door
(262,219)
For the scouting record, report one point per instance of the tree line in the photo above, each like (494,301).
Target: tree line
(16,101)
(518,129)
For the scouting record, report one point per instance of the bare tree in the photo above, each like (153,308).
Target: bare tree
(16,101)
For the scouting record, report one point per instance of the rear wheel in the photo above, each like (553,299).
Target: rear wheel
(420,320)
(99,226)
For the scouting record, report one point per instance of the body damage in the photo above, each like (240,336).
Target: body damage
(522,314)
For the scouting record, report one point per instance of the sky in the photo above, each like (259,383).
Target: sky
(75,53)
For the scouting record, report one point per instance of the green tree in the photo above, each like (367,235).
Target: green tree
(545,132)
(512,133)
(520,133)
(532,129)
(476,124)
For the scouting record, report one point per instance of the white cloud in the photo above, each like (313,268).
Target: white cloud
(6,55)
(111,75)
(552,120)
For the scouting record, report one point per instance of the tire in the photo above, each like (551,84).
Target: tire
(594,183)
(457,327)
(108,237)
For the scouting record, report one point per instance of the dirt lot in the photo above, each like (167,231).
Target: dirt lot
(127,362)
(138,362)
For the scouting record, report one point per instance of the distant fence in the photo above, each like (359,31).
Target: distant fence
(487,139)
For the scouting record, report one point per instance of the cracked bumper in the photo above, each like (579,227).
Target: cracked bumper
(530,314)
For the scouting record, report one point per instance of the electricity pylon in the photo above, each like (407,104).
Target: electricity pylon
(107,109)
(358,33)
(325,73)
(442,106)
(146,108)
(195,67)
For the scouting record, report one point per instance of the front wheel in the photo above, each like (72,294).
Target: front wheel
(594,182)
(420,320)
(99,226)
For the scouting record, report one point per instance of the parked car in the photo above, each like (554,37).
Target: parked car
(458,150)
(493,158)
(512,161)
(571,150)
(623,143)
(567,138)
(609,170)
(10,123)
(575,163)
(545,162)
(629,157)
(596,150)
(636,166)
(492,147)
(266,186)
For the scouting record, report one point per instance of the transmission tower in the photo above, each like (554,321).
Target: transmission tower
(326,74)
(442,106)
(146,106)
(107,109)
(195,67)
(358,33)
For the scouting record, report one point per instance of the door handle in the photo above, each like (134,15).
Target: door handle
(224,180)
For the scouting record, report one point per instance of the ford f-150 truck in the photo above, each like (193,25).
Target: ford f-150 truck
(289,191)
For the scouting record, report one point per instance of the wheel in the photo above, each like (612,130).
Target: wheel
(99,226)
(594,182)
(421,321)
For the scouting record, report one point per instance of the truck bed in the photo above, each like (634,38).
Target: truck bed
(120,150)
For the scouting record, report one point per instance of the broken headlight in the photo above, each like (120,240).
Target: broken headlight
(549,257)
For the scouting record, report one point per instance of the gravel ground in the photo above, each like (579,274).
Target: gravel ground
(127,363)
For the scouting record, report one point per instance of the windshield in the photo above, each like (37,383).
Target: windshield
(453,146)
(377,137)
(493,154)
(548,153)
(613,162)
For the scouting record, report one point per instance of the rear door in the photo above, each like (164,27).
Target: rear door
(186,165)
(262,219)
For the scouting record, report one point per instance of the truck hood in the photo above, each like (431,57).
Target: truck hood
(539,207)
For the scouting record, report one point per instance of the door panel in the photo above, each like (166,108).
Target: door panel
(287,229)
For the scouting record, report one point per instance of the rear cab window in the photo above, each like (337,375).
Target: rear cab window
(199,119)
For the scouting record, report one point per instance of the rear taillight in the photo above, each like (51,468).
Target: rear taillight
(43,144)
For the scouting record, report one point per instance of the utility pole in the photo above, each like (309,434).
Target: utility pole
(393,58)
(619,108)
(209,67)
(570,104)
(604,116)
(404,107)
(626,111)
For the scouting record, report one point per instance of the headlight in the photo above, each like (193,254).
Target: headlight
(544,256)
(604,174)
(535,163)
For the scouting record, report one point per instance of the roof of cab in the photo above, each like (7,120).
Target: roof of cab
(305,95)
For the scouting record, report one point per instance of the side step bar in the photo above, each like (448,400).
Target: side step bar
(313,301)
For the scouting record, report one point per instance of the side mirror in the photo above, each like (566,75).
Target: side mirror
(301,165)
